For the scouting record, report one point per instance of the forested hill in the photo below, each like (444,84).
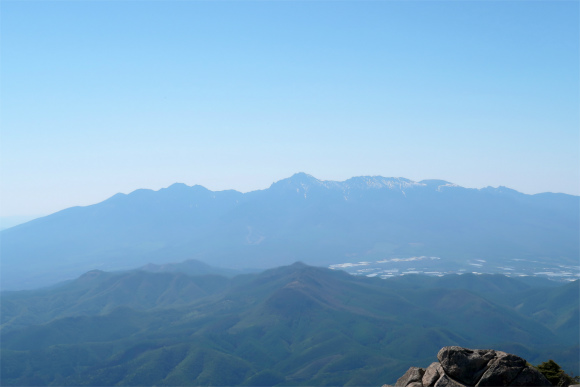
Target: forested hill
(299,218)
(293,325)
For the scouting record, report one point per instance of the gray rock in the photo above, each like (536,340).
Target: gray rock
(462,367)
(446,381)
(530,377)
(502,370)
(465,365)
(413,374)
(432,374)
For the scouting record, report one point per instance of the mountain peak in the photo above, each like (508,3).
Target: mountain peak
(176,186)
(302,177)
(322,222)
(300,181)
(182,187)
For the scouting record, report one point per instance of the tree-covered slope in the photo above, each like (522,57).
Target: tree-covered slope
(294,325)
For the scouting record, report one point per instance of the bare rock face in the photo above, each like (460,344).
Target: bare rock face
(465,365)
(530,377)
(413,375)
(446,381)
(502,370)
(432,374)
(462,367)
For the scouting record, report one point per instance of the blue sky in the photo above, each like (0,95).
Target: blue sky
(100,97)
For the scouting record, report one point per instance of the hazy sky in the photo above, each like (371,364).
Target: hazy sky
(100,97)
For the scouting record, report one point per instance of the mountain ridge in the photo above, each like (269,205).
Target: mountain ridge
(305,325)
(376,182)
(376,179)
(299,218)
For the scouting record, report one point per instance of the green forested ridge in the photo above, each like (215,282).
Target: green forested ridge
(294,325)
(98,292)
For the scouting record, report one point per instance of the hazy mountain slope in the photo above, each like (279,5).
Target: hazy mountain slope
(295,325)
(97,292)
(122,232)
(299,218)
(190,267)
(557,308)
(483,284)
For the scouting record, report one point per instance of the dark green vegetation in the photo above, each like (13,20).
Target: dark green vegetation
(191,267)
(300,218)
(294,325)
(556,375)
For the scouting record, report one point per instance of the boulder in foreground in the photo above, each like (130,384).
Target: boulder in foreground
(463,367)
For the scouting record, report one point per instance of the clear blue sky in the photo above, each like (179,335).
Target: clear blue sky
(100,97)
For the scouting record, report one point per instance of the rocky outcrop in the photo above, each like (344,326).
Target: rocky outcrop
(462,367)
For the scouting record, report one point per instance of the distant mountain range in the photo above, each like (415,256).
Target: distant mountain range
(299,218)
(288,326)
